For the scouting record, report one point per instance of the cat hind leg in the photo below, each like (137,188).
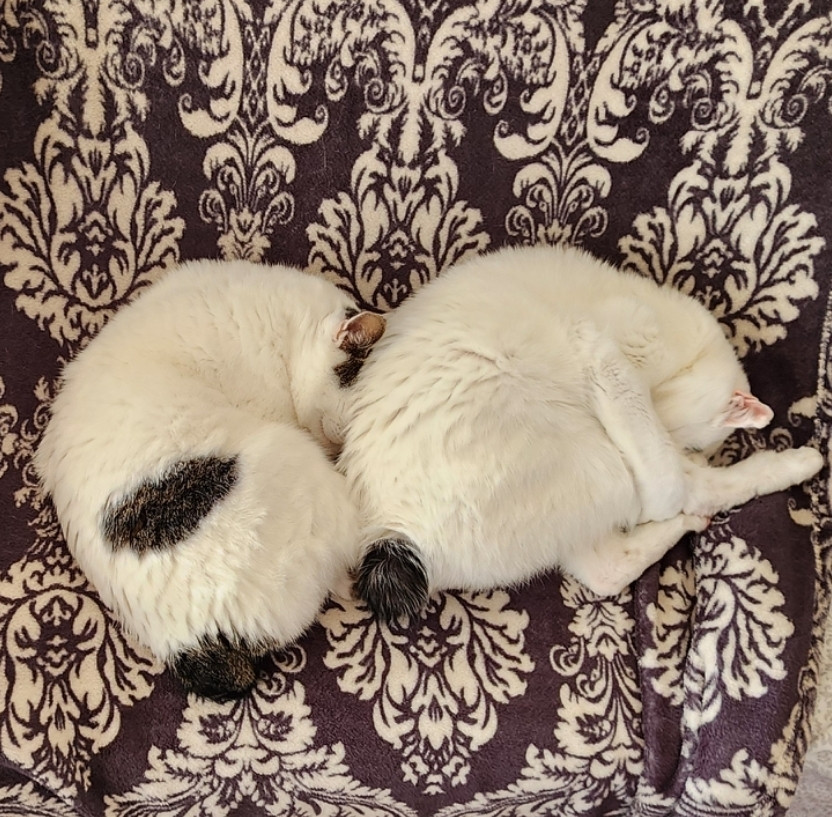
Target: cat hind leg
(217,669)
(711,490)
(392,579)
(620,558)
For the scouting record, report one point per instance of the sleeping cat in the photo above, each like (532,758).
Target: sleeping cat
(187,456)
(530,409)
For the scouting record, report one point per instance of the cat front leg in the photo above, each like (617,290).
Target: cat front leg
(615,562)
(623,406)
(711,490)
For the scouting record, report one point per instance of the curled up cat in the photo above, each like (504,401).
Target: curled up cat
(535,408)
(188,457)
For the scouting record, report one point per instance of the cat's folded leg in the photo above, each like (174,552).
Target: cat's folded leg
(711,490)
(618,560)
(624,408)
(634,327)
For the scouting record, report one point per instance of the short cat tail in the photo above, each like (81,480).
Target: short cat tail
(392,579)
(217,669)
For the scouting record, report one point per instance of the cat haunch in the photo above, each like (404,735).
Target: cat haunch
(535,408)
(189,458)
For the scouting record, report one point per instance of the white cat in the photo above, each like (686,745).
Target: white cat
(187,458)
(529,410)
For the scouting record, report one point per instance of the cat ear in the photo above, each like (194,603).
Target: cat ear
(746,411)
(360,332)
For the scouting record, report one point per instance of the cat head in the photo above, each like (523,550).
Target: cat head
(700,416)
(322,380)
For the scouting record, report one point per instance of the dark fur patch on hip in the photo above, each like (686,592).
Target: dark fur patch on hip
(393,580)
(160,513)
(217,669)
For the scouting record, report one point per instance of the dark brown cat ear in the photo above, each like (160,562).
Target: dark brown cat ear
(360,332)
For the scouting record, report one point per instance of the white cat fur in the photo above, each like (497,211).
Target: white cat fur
(477,434)
(228,359)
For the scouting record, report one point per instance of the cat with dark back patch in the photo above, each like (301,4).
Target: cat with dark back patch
(188,455)
(536,408)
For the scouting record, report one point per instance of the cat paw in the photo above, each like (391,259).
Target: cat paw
(639,340)
(695,523)
(804,463)
(392,579)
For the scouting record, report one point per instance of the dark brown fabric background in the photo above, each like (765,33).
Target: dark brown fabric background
(376,143)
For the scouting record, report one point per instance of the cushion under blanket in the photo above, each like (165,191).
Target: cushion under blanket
(376,142)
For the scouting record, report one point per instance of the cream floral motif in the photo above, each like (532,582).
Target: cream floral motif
(397,229)
(727,212)
(694,55)
(736,651)
(477,48)
(83,228)
(735,792)
(597,722)
(600,712)
(59,705)
(673,614)
(757,253)
(488,43)
(62,705)
(24,800)
(82,238)
(9,436)
(18,444)
(811,714)
(401,222)
(550,785)
(249,169)
(671,617)
(560,196)
(561,191)
(434,693)
(259,751)
(740,632)
(147,34)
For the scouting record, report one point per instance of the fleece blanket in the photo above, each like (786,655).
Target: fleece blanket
(376,142)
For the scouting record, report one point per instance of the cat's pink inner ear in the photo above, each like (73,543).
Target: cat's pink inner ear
(360,331)
(746,411)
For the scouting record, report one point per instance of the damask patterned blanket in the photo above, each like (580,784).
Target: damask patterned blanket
(376,142)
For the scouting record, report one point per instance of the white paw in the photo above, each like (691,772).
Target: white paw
(804,463)
(694,523)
